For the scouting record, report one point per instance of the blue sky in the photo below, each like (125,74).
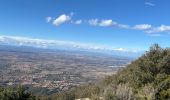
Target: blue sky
(127,24)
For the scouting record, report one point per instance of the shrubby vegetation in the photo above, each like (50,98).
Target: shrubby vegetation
(18,93)
(147,78)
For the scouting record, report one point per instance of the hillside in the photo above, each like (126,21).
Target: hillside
(147,78)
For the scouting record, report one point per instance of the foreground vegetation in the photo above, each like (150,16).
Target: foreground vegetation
(147,78)
(17,93)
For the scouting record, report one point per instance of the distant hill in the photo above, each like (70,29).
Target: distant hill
(65,45)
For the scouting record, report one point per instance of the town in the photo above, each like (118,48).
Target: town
(54,70)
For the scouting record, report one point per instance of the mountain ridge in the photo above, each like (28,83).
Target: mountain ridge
(64,45)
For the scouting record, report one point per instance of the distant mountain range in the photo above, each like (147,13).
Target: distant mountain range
(64,45)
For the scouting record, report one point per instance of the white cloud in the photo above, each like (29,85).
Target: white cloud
(147,28)
(162,28)
(123,26)
(61,19)
(78,22)
(142,27)
(48,19)
(121,49)
(93,22)
(41,43)
(97,22)
(106,23)
(149,4)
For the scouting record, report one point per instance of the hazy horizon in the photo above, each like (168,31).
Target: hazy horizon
(106,24)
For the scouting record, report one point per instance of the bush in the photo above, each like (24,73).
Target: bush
(19,93)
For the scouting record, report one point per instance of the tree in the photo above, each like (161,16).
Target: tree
(19,93)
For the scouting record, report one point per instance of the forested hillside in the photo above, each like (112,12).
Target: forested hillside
(147,78)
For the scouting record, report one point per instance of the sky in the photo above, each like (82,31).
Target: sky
(123,24)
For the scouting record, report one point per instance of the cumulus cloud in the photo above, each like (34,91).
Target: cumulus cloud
(149,4)
(162,28)
(48,19)
(61,19)
(110,22)
(106,23)
(142,27)
(146,28)
(97,22)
